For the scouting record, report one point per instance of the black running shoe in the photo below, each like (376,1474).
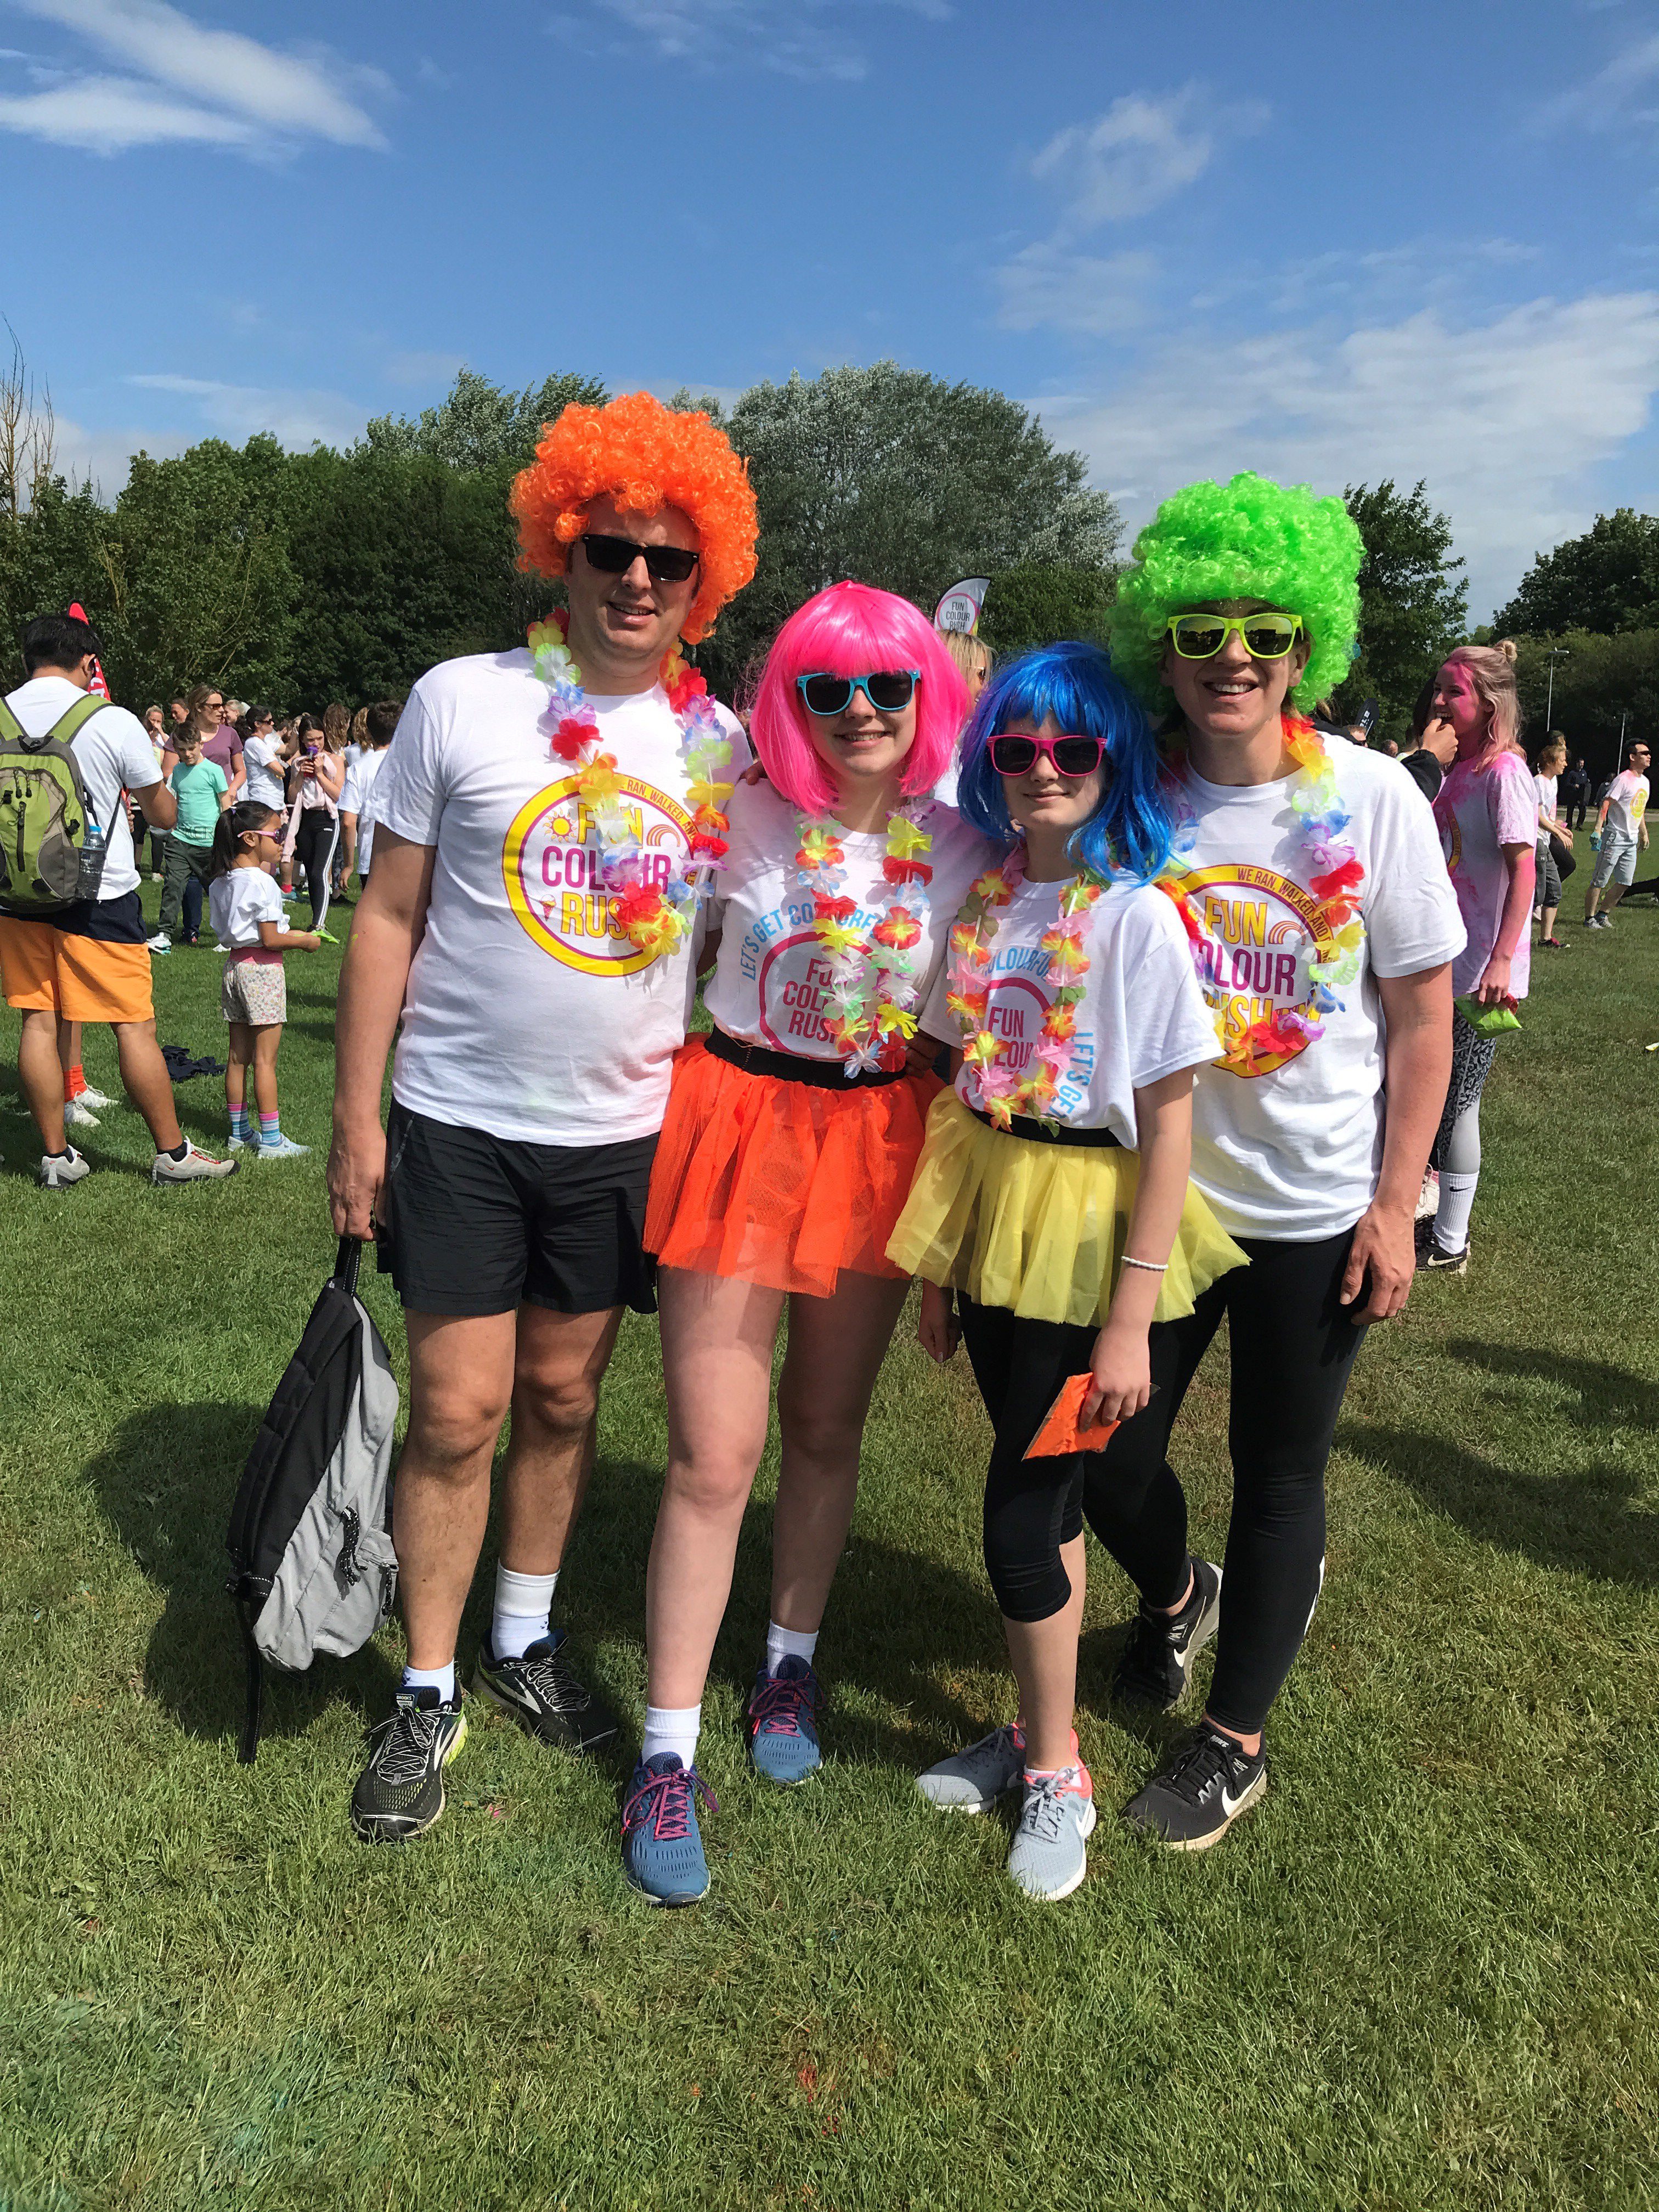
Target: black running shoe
(544,1696)
(1156,1665)
(1200,1793)
(401,1791)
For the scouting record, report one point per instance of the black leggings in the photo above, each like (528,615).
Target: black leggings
(313,850)
(1292,1347)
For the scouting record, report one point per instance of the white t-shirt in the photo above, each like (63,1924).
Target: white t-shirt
(262,758)
(356,799)
(114,753)
(771,977)
(1144,1017)
(526,1014)
(1627,802)
(1292,1150)
(1478,811)
(238,901)
(1545,786)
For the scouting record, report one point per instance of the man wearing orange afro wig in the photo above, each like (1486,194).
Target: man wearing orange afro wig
(545,827)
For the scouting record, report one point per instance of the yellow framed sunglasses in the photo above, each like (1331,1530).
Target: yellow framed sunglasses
(1267,636)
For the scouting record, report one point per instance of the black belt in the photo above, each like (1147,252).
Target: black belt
(1045,1133)
(792,1067)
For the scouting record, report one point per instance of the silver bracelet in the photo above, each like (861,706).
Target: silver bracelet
(1153,1267)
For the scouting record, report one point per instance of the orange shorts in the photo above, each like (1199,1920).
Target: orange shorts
(78,977)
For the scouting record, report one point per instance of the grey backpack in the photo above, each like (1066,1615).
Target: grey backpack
(310,1541)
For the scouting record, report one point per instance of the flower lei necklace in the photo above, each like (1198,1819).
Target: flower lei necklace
(1336,880)
(871,986)
(1002,1093)
(655,919)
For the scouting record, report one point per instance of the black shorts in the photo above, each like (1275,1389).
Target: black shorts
(473,1223)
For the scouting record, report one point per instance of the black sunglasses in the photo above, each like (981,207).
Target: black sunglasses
(615,557)
(890,690)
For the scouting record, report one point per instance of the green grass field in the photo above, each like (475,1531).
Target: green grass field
(1424,1972)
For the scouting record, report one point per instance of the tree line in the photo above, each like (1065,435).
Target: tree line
(300,577)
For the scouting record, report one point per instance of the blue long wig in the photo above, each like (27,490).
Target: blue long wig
(1129,833)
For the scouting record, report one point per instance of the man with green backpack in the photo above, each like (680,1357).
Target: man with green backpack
(71,937)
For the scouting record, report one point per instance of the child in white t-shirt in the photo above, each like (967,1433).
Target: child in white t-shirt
(1051,1200)
(245,909)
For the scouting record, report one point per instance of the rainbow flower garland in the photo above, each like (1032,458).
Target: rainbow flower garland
(872,977)
(655,919)
(1336,880)
(1002,1093)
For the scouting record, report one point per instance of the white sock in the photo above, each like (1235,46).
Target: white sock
(522,1605)
(783,1643)
(672,1727)
(1451,1219)
(441,1679)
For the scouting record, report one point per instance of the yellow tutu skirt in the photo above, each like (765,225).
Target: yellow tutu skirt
(1038,1227)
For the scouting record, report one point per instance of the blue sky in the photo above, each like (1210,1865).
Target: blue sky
(1336,243)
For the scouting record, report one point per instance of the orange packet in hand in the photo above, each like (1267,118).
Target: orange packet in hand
(1060,1432)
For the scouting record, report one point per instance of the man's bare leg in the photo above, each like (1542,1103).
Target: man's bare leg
(460,1384)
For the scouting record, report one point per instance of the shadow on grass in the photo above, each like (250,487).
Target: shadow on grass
(167,1483)
(900,1625)
(1591,1520)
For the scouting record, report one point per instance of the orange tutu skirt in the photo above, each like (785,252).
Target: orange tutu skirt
(779,1183)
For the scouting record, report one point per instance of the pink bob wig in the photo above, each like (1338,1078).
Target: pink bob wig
(853,629)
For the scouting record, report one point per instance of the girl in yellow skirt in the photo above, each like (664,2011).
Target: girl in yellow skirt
(792,1137)
(1051,1218)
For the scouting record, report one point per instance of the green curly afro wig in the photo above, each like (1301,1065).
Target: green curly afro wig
(1249,540)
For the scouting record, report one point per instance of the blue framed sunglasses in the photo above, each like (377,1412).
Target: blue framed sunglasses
(890,690)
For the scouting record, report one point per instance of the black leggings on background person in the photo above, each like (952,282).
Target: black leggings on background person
(313,851)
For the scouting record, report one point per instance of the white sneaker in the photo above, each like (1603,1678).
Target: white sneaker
(57,1172)
(159,943)
(1048,1859)
(97,1100)
(282,1148)
(1428,1199)
(77,1114)
(197,1166)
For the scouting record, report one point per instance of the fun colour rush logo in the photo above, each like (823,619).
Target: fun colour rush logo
(550,865)
(1257,929)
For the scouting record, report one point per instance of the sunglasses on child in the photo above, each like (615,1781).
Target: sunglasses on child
(890,690)
(615,557)
(1015,754)
(1266,636)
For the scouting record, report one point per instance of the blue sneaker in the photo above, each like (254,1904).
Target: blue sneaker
(662,1850)
(283,1148)
(783,1722)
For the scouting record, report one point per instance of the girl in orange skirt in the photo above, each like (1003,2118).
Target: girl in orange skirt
(791,1135)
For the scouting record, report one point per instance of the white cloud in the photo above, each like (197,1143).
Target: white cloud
(1044,287)
(240,411)
(220,88)
(1625,92)
(1506,419)
(1140,152)
(108,114)
(805,39)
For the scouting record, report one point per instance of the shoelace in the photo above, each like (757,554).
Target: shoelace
(665,1800)
(1207,1760)
(550,1677)
(409,1735)
(776,1707)
(1042,1814)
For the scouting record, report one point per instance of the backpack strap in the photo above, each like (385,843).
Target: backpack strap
(70,723)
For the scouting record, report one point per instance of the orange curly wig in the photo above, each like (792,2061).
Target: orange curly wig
(644,456)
